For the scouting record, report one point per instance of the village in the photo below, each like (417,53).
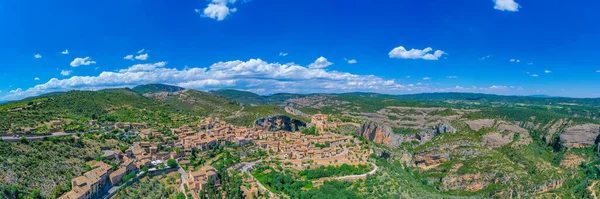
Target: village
(294,149)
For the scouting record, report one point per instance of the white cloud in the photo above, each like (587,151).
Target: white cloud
(18,90)
(534,75)
(452,77)
(485,57)
(515,60)
(254,74)
(66,52)
(128,57)
(283,54)
(506,5)
(426,78)
(218,9)
(82,61)
(142,57)
(65,72)
(498,87)
(321,62)
(401,53)
(530,63)
(141,51)
(36,79)
(143,67)
(37,56)
(352,61)
(547,71)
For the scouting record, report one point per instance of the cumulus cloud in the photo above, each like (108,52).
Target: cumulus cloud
(534,75)
(515,60)
(426,78)
(401,53)
(18,90)
(82,62)
(283,54)
(36,79)
(141,51)
(65,52)
(37,56)
(498,87)
(65,72)
(143,67)
(506,5)
(142,57)
(254,74)
(485,57)
(352,61)
(321,62)
(547,71)
(218,9)
(128,57)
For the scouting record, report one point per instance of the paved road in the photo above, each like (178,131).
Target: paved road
(13,139)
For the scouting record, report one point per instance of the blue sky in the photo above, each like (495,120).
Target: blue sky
(519,47)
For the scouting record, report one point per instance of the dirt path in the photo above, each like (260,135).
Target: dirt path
(591,189)
(349,177)
(359,176)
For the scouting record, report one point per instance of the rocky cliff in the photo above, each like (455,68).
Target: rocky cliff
(580,136)
(384,134)
(279,122)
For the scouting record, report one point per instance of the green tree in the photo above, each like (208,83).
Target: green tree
(145,168)
(172,163)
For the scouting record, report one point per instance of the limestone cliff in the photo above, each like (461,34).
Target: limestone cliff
(279,122)
(384,134)
(580,136)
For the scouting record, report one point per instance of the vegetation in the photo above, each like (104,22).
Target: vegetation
(152,88)
(46,167)
(333,171)
(151,187)
(523,165)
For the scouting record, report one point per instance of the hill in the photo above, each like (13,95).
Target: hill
(243,97)
(201,103)
(76,108)
(153,88)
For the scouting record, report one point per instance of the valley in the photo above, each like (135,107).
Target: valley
(237,144)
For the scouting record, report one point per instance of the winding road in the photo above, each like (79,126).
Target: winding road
(14,139)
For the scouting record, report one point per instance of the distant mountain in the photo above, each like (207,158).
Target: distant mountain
(244,98)
(153,88)
(201,103)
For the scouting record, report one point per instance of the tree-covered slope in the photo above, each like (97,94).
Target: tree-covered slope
(152,88)
(243,97)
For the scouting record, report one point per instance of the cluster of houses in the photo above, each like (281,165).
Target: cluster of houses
(284,145)
(103,175)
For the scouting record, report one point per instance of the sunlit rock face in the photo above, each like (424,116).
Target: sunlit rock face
(384,134)
(580,136)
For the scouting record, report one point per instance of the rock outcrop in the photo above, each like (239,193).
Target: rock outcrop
(379,133)
(279,122)
(496,140)
(580,136)
(384,134)
(477,125)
